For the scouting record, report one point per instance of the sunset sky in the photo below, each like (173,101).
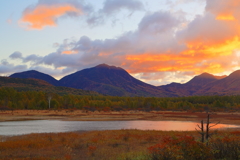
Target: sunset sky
(156,41)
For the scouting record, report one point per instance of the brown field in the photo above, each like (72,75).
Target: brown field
(79,115)
(100,145)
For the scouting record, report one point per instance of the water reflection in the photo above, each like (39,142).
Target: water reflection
(46,126)
(171,125)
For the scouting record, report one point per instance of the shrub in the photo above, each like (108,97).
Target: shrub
(180,147)
(227,147)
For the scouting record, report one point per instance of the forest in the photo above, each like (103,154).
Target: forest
(13,99)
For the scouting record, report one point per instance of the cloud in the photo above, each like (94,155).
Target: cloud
(32,58)
(113,6)
(158,22)
(6,67)
(46,13)
(224,10)
(208,30)
(116,51)
(16,55)
(164,44)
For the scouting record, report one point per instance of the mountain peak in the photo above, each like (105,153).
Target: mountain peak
(235,74)
(103,65)
(201,79)
(36,75)
(29,71)
(206,75)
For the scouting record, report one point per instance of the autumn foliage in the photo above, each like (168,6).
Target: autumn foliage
(180,147)
(121,145)
(188,148)
(38,100)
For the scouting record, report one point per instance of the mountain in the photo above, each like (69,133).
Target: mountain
(36,75)
(30,84)
(229,85)
(115,81)
(110,80)
(191,87)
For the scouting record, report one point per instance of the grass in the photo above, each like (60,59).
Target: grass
(111,145)
(116,144)
(121,144)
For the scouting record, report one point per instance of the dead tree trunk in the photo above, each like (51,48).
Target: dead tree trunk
(205,134)
(207,128)
(202,131)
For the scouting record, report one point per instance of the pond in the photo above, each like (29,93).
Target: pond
(46,126)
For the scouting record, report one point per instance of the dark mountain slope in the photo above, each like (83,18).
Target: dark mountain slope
(30,84)
(110,80)
(191,87)
(36,75)
(229,85)
(115,81)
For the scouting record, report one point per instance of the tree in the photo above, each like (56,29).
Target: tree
(205,133)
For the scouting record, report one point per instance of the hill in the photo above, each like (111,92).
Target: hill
(36,75)
(115,81)
(191,87)
(30,84)
(110,80)
(225,86)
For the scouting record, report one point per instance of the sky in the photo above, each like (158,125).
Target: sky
(156,41)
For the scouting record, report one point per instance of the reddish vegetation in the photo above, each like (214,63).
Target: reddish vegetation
(122,144)
(185,147)
(99,145)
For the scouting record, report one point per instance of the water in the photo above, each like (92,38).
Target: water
(47,126)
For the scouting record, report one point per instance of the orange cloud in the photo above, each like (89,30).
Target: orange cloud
(209,43)
(43,15)
(69,52)
(225,17)
(224,9)
(213,59)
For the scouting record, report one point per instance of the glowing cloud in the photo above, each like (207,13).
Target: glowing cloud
(225,17)
(162,43)
(198,59)
(224,10)
(44,15)
(69,52)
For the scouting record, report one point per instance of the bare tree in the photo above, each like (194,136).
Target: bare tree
(205,134)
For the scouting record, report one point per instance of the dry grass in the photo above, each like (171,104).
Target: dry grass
(101,145)
(96,145)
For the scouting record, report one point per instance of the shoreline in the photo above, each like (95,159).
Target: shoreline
(79,115)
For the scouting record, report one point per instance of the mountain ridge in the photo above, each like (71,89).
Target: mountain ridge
(115,81)
(107,79)
(37,75)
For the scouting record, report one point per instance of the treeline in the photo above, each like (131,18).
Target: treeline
(13,99)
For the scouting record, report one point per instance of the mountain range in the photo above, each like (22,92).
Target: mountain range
(32,84)
(115,81)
